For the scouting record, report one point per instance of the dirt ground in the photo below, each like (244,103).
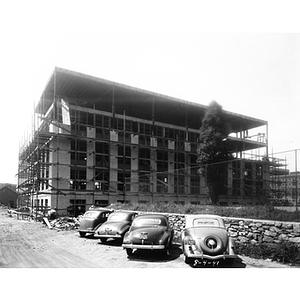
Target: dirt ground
(30,244)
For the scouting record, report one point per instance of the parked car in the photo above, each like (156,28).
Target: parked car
(205,240)
(91,220)
(148,231)
(116,226)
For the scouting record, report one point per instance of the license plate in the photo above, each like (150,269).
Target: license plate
(143,235)
(206,262)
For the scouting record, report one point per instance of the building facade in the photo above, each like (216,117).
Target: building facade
(8,197)
(285,188)
(96,142)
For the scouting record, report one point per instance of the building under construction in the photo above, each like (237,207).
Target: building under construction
(96,142)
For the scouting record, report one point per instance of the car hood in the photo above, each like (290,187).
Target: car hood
(113,226)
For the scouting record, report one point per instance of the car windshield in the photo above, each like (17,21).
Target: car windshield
(149,221)
(118,217)
(206,222)
(92,214)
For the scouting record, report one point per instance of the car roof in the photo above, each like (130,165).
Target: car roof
(146,218)
(95,208)
(124,212)
(190,218)
(152,216)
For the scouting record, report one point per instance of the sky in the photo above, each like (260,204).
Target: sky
(247,58)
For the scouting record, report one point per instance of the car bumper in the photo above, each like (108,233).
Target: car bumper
(149,247)
(115,236)
(86,230)
(210,257)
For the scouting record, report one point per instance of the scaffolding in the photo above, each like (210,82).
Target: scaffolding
(285,183)
(95,142)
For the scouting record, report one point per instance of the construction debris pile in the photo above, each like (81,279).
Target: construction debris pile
(25,212)
(66,223)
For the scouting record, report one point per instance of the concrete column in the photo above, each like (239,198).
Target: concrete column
(171,172)
(113,176)
(230,179)
(134,169)
(153,164)
(187,174)
(90,148)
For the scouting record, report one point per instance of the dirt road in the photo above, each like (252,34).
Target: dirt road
(25,244)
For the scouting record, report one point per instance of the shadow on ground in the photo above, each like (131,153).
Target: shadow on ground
(161,256)
(111,242)
(89,237)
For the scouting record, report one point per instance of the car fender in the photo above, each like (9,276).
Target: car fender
(231,246)
(166,237)
(182,235)
(126,234)
(171,236)
(125,229)
(98,226)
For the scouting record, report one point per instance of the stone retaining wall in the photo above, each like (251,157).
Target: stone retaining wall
(249,230)
(246,230)
(262,231)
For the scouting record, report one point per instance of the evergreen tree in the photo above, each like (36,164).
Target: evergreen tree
(212,154)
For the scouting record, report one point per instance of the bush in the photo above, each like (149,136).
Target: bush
(284,252)
(263,212)
(287,253)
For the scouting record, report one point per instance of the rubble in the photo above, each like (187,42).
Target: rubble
(24,213)
(61,223)
(66,223)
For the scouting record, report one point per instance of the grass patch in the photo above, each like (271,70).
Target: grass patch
(266,212)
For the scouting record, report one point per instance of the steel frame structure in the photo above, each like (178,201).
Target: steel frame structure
(127,144)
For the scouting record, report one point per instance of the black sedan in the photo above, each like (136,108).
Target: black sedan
(148,231)
(116,226)
(91,220)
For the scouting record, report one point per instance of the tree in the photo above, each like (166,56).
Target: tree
(212,154)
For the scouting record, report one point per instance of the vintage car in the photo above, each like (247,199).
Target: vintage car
(91,220)
(148,231)
(116,226)
(205,240)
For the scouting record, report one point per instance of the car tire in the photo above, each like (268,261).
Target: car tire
(103,240)
(206,249)
(166,251)
(122,239)
(171,238)
(129,251)
(82,234)
(230,261)
(188,260)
